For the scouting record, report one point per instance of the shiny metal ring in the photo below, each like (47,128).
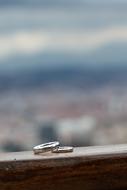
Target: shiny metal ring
(62,149)
(45,147)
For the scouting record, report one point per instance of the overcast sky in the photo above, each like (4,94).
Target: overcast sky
(95,34)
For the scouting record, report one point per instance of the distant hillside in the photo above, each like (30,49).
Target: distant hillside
(67,77)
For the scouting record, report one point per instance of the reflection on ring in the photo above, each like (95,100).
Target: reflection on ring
(45,147)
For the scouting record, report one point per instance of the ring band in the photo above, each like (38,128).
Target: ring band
(62,149)
(45,147)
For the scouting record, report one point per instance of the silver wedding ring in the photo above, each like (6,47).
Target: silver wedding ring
(45,147)
(62,149)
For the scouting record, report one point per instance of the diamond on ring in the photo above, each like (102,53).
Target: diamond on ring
(62,149)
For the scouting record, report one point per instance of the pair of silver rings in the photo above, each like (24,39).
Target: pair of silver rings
(54,147)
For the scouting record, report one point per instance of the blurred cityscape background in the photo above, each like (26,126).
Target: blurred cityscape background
(63,72)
